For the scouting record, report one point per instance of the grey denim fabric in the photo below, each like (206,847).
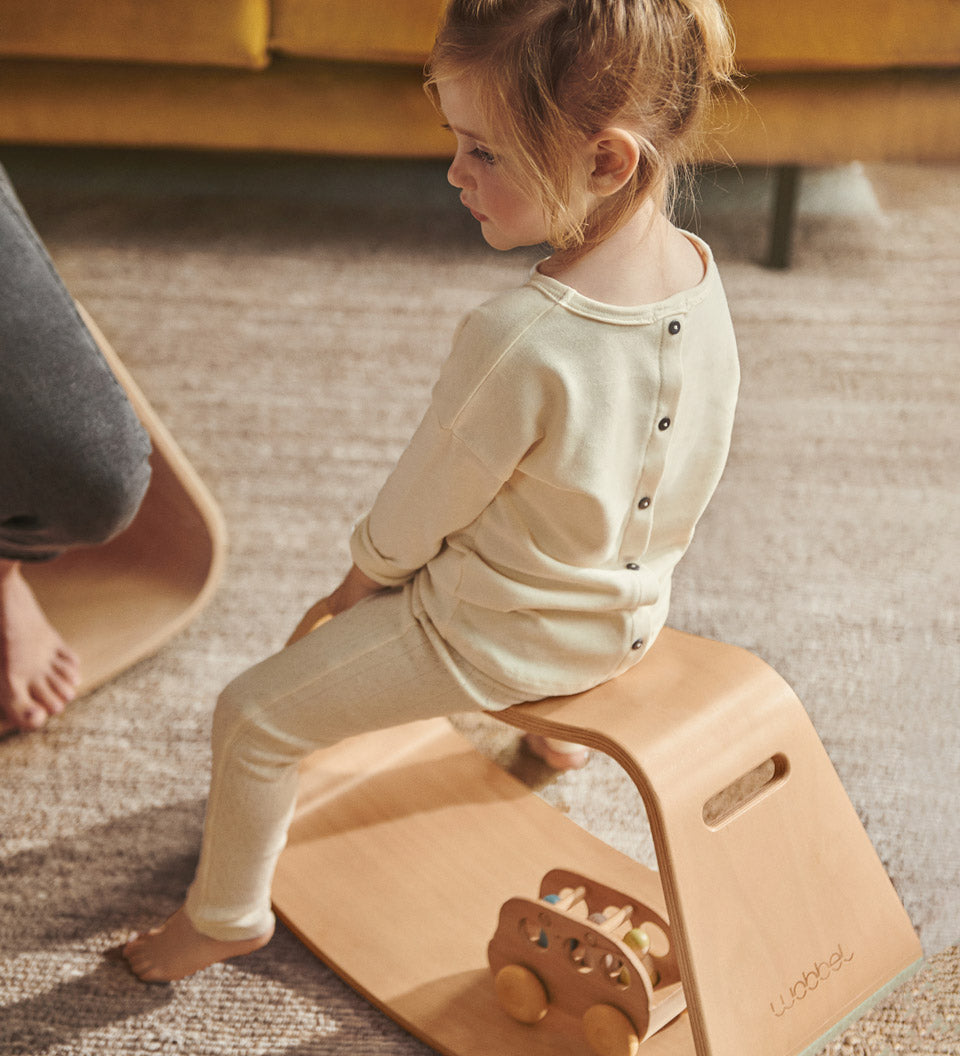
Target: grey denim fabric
(73,455)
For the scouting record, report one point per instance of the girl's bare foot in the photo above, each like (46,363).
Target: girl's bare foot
(176,949)
(39,672)
(561,755)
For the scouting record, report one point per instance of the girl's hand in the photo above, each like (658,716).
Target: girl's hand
(355,587)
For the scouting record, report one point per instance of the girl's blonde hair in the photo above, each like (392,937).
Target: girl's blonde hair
(550,73)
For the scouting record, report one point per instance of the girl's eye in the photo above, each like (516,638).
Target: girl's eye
(483,155)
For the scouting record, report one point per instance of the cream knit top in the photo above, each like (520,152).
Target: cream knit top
(557,477)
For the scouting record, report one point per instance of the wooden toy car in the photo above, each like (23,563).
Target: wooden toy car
(592,952)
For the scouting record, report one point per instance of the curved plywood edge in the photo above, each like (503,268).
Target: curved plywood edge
(118,603)
(681,674)
(663,710)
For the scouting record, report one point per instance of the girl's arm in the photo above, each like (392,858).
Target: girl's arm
(486,413)
(355,587)
(438,487)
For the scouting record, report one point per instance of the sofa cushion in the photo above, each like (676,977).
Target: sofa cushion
(833,35)
(295,104)
(789,35)
(398,31)
(193,32)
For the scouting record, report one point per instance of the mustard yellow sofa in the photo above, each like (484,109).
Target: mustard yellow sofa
(826,81)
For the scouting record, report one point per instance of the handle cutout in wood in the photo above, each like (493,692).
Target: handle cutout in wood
(748,789)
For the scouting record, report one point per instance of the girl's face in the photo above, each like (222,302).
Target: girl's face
(508,217)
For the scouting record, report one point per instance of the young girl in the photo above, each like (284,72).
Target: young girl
(523,546)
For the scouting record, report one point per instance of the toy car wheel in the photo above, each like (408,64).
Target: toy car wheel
(521,994)
(609,1032)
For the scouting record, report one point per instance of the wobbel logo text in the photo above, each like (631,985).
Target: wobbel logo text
(816,976)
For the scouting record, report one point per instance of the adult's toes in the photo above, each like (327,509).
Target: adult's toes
(61,690)
(27,715)
(46,693)
(67,663)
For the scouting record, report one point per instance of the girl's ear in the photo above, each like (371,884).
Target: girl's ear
(615,156)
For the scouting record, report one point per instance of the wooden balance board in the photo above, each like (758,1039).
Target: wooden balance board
(407,842)
(119,603)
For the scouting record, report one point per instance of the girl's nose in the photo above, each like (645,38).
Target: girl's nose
(456,174)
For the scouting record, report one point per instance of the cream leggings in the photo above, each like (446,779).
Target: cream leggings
(379,664)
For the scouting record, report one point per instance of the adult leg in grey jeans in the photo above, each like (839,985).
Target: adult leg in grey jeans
(73,460)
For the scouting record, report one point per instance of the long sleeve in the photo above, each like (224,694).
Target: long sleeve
(484,416)
(437,488)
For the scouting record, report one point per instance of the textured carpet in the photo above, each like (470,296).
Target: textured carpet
(286,319)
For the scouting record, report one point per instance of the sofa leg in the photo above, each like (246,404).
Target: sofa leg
(786,192)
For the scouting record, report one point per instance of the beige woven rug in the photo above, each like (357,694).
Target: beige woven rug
(286,318)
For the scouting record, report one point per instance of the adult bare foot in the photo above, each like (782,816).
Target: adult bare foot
(39,672)
(176,949)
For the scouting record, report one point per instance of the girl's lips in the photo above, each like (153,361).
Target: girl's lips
(477,216)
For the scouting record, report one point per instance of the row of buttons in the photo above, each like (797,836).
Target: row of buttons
(663,425)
